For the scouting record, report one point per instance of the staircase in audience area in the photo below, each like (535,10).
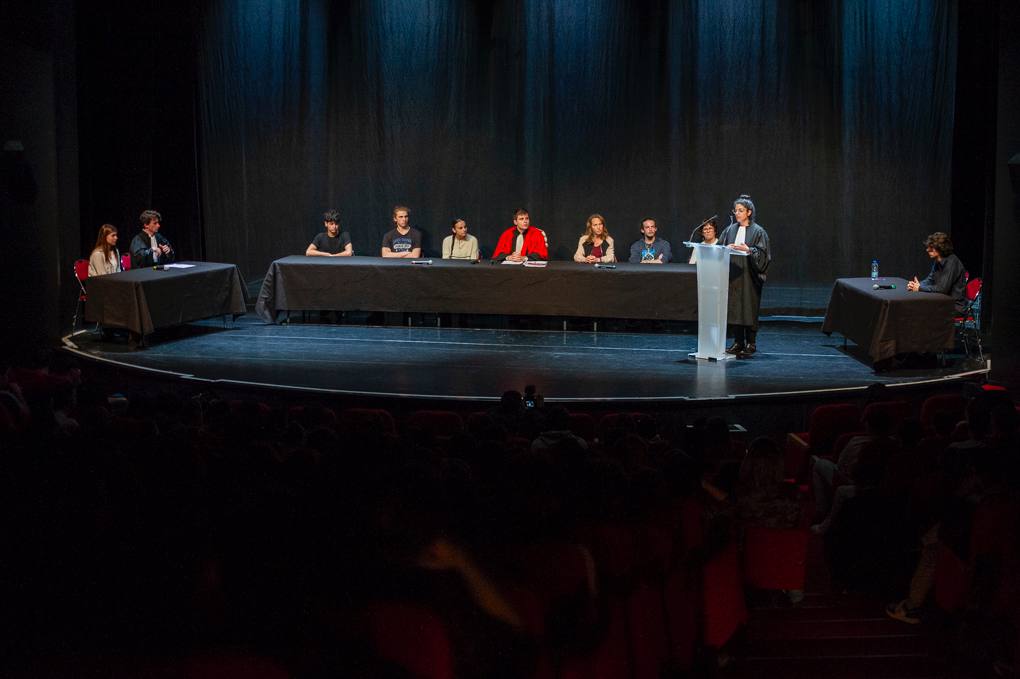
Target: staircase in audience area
(833,636)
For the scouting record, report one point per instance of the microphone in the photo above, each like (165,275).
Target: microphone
(700,226)
(883,286)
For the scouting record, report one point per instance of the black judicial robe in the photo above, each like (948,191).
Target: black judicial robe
(747,274)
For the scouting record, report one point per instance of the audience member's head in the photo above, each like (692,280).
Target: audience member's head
(763,467)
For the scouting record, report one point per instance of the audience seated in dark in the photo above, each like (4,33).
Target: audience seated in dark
(170,522)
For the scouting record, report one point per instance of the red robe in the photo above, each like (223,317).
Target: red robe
(536,245)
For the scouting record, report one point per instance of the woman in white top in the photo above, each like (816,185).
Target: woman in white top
(460,245)
(105,257)
(708,237)
(596,245)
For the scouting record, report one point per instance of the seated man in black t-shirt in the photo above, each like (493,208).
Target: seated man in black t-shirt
(332,242)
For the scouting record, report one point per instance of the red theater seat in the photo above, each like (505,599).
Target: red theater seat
(939,403)
(368,420)
(413,638)
(775,558)
(825,425)
(438,423)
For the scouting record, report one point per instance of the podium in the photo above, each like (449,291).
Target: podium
(713,295)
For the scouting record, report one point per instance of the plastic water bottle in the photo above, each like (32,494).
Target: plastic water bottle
(874,269)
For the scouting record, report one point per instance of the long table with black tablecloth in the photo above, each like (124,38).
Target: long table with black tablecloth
(144,300)
(649,291)
(888,322)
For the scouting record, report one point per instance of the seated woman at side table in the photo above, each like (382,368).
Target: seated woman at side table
(461,244)
(708,237)
(105,257)
(596,245)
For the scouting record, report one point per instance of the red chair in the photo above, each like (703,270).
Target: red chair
(312,417)
(227,664)
(775,558)
(825,424)
(724,609)
(840,443)
(612,420)
(125,261)
(438,423)
(939,403)
(81,272)
(898,411)
(993,531)
(967,324)
(583,425)
(368,420)
(413,638)
(951,580)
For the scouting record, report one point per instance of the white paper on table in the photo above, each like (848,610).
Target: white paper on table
(178,266)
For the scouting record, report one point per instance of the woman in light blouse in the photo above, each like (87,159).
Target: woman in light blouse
(105,257)
(596,245)
(461,244)
(708,237)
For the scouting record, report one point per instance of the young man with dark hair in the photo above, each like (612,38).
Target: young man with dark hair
(404,240)
(332,242)
(649,249)
(947,274)
(522,241)
(149,248)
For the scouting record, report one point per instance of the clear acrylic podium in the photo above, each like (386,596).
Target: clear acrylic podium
(713,264)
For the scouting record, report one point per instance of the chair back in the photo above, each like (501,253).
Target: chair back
(125,261)
(81,269)
(973,289)
(412,637)
(81,272)
(827,422)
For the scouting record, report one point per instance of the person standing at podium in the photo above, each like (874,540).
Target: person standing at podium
(747,275)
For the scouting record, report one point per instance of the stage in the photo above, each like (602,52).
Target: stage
(577,365)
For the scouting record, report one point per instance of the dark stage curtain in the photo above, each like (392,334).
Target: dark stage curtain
(835,116)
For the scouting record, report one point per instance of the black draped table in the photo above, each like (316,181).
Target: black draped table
(298,283)
(889,322)
(143,300)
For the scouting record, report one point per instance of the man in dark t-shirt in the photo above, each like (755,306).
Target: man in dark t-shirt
(404,240)
(332,242)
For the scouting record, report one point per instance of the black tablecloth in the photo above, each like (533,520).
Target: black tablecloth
(143,300)
(667,292)
(889,322)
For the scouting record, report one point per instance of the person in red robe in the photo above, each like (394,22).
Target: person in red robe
(521,242)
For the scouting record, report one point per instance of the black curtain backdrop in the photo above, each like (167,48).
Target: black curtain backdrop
(837,117)
(137,74)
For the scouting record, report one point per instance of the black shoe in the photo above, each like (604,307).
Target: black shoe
(748,351)
(737,348)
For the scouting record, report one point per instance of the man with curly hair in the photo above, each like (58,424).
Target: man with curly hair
(947,274)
